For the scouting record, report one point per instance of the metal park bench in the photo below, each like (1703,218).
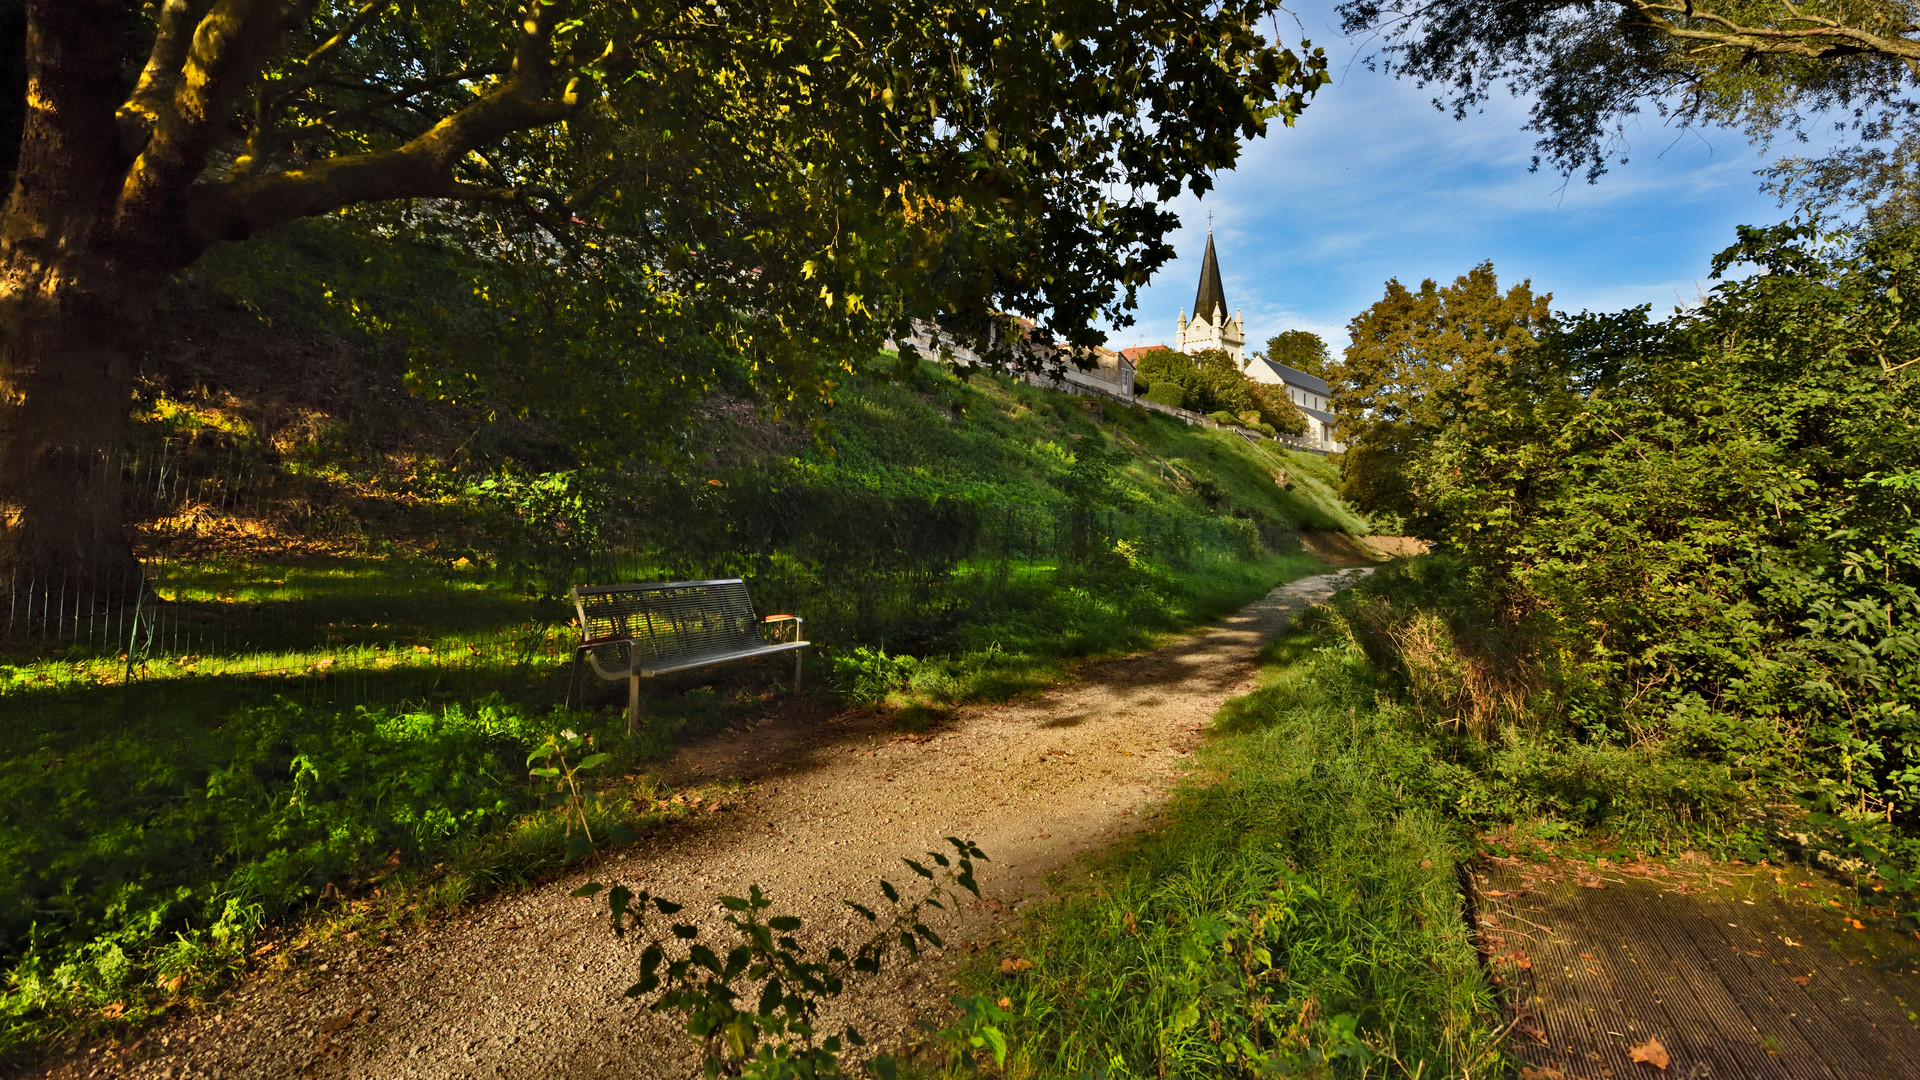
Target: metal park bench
(636,632)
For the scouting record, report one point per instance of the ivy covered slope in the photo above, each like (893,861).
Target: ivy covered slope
(384,562)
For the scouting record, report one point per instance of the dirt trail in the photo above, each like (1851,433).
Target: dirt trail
(530,984)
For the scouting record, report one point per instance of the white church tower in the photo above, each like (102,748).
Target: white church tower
(1210,328)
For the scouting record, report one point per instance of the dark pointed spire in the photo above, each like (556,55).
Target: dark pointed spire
(1211,296)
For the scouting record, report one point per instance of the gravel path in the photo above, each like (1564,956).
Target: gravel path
(530,984)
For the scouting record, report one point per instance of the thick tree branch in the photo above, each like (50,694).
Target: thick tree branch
(159,80)
(264,140)
(423,168)
(1826,39)
(230,46)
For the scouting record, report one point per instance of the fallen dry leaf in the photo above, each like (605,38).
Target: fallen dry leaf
(1650,1052)
(1544,1072)
(1790,941)
(1013,965)
(1591,883)
(1857,924)
(114,1010)
(1801,980)
(171,985)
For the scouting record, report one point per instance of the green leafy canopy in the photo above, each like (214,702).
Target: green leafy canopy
(787,182)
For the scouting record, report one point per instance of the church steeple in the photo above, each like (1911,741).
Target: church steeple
(1211,327)
(1211,298)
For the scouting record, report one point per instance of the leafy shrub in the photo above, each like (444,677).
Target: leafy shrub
(142,863)
(1708,529)
(771,1033)
(867,676)
(1210,382)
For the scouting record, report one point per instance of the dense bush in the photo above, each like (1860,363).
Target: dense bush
(1708,529)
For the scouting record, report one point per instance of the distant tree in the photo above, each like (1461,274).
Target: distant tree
(1210,382)
(1167,377)
(1277,410)
(791,180)
(1302,350)
(1419,359)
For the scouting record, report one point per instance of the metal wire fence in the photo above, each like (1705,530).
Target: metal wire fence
(396,631)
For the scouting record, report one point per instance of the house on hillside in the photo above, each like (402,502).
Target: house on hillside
(1112,372)
(929,340)
(1310,395)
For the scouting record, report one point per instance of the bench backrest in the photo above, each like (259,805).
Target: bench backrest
(666,623)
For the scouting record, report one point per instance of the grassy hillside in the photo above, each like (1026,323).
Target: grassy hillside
(357,635)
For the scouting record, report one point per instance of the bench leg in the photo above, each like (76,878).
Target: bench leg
(796,671)
(633,704)
(573,683)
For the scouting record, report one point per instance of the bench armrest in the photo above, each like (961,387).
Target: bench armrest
(609,639)
(796,620)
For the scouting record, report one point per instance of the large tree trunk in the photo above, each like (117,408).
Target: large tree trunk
(67,335)
(75,284)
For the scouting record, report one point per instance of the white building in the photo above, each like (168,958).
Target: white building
(1210,328)
(1310,395)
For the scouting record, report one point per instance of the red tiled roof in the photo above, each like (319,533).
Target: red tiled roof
(1133,355)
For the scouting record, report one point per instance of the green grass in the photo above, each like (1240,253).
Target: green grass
(1293,911)
(1010,434)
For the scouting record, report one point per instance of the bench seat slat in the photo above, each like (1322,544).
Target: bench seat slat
(650,670)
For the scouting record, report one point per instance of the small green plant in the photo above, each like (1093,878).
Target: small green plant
(769,1033)
(866,675)
(977,1030)
(570,794)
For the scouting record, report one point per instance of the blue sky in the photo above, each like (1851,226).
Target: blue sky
(1373,183)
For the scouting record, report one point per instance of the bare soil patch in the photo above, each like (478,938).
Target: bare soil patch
(531,984)
(1340,549)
